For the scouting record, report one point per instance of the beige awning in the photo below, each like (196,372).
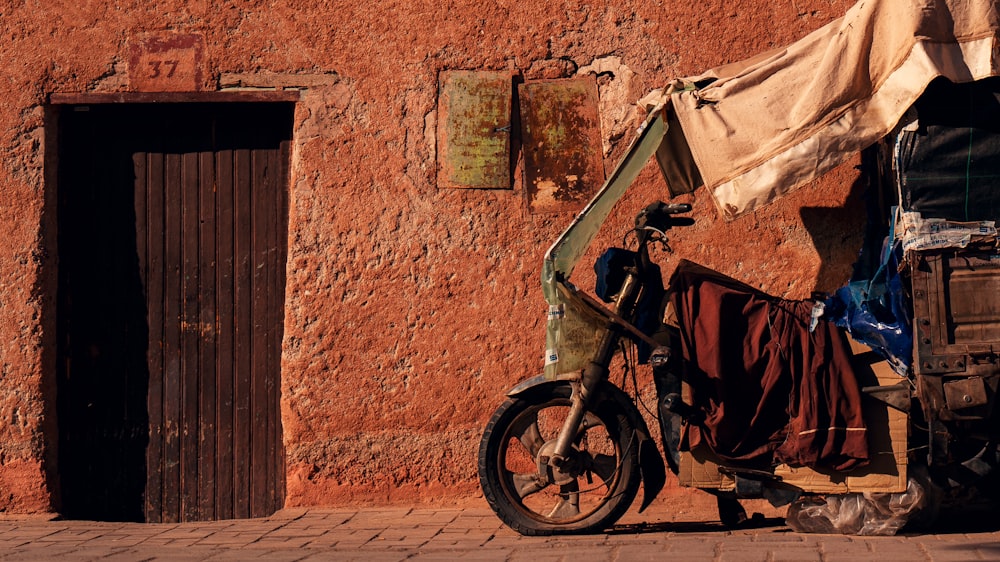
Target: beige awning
(760,128)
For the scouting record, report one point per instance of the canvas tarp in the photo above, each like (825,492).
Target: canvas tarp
(758,129)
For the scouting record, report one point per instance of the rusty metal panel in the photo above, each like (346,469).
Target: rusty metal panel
(956,317)
(561,135)
(474,129)
(968,392)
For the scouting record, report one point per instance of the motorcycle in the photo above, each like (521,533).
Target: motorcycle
(543,448)
(567,453)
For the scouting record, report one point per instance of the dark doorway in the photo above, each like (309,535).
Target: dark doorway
(172,245)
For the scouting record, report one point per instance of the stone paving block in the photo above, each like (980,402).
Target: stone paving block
(642,552)
(944,552)
(241,554)
(449,530)
(123,541)
(324,542)
(288,513)
(460,554)
(227,539)
(327,521)
(296,532)
(453,545)
(679,544)
(365,557)
(170,542)
(280,542)
(48,552)
(860,548)
(537,557)
(480,522)
(422,533)
(276,556)
(22,534)
(99,553)
(444,538)
(184,533)
(66,537)
(740,556)
(260,529)
(354,540)
(884,549)
(506,542)
(399,543)
(588,553)
(771,537)
(363,535)
(429,518)
(779,552)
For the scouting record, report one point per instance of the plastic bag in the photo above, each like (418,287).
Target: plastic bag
(875,311)
(867,514)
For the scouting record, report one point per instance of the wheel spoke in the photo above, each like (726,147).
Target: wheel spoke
(526,484)
(531,437)
(604,466)
(569,502)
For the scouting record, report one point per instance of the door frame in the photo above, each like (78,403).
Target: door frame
(57,103)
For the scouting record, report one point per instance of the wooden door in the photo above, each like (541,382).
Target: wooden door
(172,244)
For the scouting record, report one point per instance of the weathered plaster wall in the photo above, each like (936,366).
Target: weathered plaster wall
(409,309)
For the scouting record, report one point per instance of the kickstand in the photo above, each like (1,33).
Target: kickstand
(731,513)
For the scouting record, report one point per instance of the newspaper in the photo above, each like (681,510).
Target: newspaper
(920,233)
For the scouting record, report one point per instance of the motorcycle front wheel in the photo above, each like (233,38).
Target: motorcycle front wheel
(587,492)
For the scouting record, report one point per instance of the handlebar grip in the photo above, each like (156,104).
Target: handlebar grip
(659,215)
(675,208)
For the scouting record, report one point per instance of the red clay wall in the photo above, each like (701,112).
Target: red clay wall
(410,309)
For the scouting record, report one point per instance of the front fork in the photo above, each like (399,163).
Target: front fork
(595,372)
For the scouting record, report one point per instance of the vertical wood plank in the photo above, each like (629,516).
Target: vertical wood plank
(152,181)
(264,250)
(208,329)
(243,347)
(190,337)
(225,299)
(274,306)
(171,334)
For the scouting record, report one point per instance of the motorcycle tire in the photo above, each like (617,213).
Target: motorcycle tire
(587,494)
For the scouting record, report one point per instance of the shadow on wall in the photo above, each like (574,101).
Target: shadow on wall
(102,373)
(839,233)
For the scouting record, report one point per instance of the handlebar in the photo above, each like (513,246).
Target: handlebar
(653,222)
(659,216)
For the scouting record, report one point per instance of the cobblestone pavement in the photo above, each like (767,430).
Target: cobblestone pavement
(472,534)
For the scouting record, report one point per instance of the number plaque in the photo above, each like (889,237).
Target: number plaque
(167,62)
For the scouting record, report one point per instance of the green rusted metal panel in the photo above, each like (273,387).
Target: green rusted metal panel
(474,129)
(561,136)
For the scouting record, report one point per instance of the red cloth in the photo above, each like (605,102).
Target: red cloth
(772,392)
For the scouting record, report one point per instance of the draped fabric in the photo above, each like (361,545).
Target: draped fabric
(759,128)
(772,391)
